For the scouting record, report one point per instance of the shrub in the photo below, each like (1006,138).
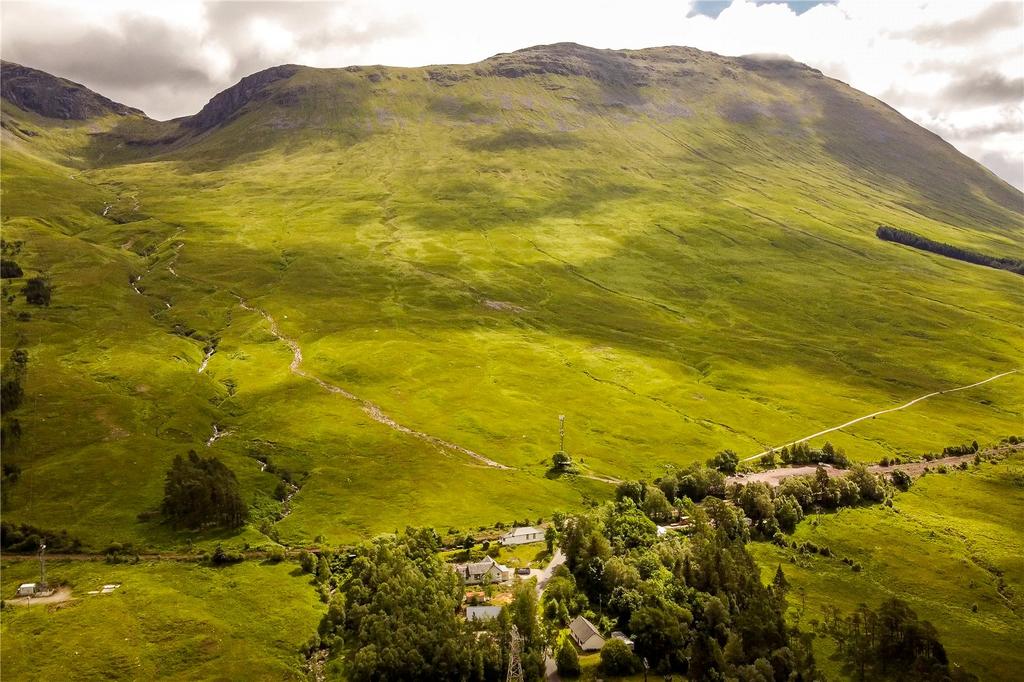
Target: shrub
(9,269)
(222,558)
(617,659)
(276,555)
(560,460)
(725,461)
(567,660)
(11,394)
(37,291)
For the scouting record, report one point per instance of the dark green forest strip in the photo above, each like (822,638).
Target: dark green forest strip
(907,238)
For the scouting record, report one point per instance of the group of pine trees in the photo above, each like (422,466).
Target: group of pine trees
(202,491)
(889,643)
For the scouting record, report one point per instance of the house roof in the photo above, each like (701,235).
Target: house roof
(482,612)
(475,567)
(582,629)
(524,530)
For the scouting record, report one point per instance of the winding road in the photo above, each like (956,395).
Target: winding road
(880,412)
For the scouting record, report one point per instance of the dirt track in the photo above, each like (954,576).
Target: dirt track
(374,411)
(880,412)
(775,476)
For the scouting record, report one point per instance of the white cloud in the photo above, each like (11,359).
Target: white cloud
(954,67)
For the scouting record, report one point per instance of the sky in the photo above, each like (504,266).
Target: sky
(954,66)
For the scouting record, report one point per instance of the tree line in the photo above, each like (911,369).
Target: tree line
(907,238)
(21,537)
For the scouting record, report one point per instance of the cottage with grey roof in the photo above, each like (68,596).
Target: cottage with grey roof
(476,572)
(585,634)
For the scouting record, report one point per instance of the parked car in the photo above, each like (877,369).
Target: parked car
(522,571)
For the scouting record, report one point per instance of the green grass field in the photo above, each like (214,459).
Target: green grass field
(952,542)
(167,620)
(475,258)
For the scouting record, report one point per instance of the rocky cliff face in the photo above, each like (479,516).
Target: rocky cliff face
(227,104)
(53,97)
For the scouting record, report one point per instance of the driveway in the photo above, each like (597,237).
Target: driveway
(545,575)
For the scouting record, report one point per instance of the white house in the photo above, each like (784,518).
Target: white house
(523,536)
(26,589)
(474,572)
(585,635)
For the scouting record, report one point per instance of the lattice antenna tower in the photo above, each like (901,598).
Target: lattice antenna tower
(515,663)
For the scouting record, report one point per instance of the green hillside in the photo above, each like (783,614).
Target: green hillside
(962,531)
(674,249)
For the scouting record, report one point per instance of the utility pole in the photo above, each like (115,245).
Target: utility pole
(561,433)
(42,567)
(515,664)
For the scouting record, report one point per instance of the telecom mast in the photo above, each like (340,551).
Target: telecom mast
(561,433)
(42,567)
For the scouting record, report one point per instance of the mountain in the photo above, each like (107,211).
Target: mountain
(371,292)
(391,281)
(39,92)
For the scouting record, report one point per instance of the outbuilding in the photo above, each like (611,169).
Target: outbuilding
(618,634)
(523,536)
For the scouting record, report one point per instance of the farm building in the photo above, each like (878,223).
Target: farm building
(585,635)
(474,572)
(523,536)
(482,613)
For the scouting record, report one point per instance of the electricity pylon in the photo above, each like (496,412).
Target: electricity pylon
(515,663)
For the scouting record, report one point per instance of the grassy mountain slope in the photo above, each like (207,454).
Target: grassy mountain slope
(674,249)
(966,575)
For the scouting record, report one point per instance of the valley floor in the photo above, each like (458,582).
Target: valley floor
(951,547)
